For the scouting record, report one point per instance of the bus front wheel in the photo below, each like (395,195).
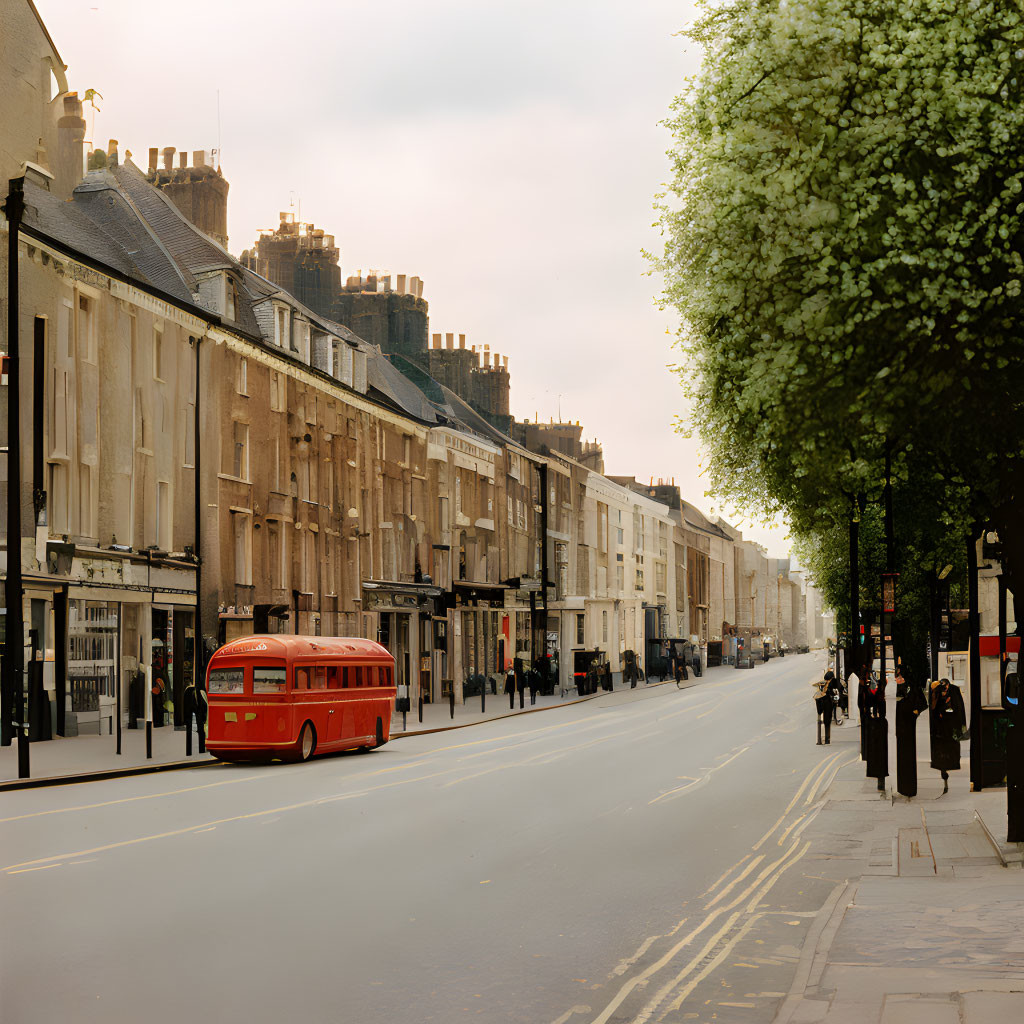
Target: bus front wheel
(307,742)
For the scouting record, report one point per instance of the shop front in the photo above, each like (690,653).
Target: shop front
(407,625)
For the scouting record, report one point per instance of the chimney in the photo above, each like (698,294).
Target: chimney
(462,341)
(112,153)
(154,158)
(487,358)
(505,361)
(168,158)
(70,147)
(371,282)
(401,289)
(437,337)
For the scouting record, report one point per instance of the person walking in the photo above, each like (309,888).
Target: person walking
(824,703)
(946,721)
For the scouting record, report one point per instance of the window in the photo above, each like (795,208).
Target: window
(620,582)
(281,326)
(58,499)
(158,353)
(226,680)
(345,678)
(240,458)
(604,626)
(269,680)
(332,677)
(619,535)
(230,299)
(85,519)
(302,679)
(319,678)
(580,624)
(164,532)
(602,528)
(243,548)
(86,329)
(243,376)
(278,391)
(509,503)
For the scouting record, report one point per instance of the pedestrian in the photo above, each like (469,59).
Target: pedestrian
(510,688)
(947,720)
(824,703)
(877,731)
(910,702)
(520,677)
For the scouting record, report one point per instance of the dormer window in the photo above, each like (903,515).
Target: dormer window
(230,298)
(282,327)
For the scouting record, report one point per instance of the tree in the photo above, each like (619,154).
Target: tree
(843,240)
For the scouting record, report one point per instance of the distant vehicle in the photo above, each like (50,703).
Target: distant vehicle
(288,697)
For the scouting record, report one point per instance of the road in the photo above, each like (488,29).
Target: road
(639,857)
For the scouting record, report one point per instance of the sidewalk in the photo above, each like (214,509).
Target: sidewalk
(927,927)
(84,758)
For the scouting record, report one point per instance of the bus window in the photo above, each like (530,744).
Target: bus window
(302,679)
(386,672)
(226,680)
(358,677)
(269,680)
(319,677)
(332,677)
(371,676)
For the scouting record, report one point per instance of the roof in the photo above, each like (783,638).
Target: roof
(284,645)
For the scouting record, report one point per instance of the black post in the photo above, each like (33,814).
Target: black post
(974,667)
(935,624)
(60,659)
(483,696)
(451,699)
(421,706)
(199,647)
(13,666)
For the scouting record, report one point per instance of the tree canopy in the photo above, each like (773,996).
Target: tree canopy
(843,241)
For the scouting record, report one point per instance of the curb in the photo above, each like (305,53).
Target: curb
(175,766)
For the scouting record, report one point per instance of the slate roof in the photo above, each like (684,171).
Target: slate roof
(119,221)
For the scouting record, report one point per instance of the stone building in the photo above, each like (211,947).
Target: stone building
(565,438)
(390,313)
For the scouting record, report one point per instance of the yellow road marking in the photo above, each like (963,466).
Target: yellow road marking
(21,871)
(792,803)
(739,878)
(782,838)
(707,775)
(667,957)
(724,876)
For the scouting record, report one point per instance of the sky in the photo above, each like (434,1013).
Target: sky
(507,152)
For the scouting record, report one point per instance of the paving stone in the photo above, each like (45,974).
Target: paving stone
(901,1009)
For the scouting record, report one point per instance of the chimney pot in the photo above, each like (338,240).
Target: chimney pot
(487,358)
(462,341)
(436,338)
(199,158)
(183,158)
(169,158)
(154,158)
(505,361)
(401,284)
(72,105)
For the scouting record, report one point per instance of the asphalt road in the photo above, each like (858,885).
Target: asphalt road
(638,857)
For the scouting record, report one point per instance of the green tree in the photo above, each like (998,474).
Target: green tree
(843,241)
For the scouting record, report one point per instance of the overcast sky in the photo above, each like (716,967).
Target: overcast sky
(508,152)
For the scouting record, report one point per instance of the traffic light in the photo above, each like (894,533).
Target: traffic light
(862,634)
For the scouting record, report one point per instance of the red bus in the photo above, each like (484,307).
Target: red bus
(289,697)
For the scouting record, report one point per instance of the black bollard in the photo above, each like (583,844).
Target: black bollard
(421,707)
(451,699)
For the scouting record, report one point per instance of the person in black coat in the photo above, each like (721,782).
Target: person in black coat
(947,720)
(877,731)
(910,702)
